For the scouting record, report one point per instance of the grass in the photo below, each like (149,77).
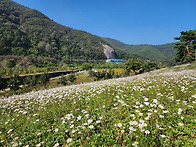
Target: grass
(152,109)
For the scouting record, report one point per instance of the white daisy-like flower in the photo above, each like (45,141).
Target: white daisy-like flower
(91,127)
(181,124)
(147,132)
(162,136)
(135,144)
(57,144)
(69,140)
(90,121)
(119,125)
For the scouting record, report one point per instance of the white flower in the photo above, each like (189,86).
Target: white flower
(135,143)
(155,101)
(141,121)
(161,116)
(179,110)
(147,132)
(73,131)
(131,123)
(181,124)
(90,121)
(38,145)
(119,125)
(91,126)
(71,126)
(56,130)
(122,131)
(132,115)
(69,140)
(98,121)
(162,136)
(140,126)
(79,117)
(145,99)
(57,144)
(9,131)
(135,122)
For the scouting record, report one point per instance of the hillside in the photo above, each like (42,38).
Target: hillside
(158,53)
(27,32)
(155,108)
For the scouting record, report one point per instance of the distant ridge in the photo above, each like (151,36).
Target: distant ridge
(157,53)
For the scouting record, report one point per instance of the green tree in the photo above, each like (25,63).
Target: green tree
(14,82)
(63,80)
(186,46)
(133,64)
(44,79)
(11,63)
(149,66)
(86,66)
(3,83)
(71,77)
(31,81)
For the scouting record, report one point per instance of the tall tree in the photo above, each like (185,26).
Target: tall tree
(186,46)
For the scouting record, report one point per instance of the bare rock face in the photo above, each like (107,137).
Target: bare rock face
(109,52)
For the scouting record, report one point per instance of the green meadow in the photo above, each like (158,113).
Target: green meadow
(157,108)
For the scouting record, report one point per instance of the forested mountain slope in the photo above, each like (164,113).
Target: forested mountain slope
(27,32)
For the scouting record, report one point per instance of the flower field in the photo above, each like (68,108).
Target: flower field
(152,109)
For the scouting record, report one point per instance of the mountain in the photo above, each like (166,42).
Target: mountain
(157,53)
(27,32)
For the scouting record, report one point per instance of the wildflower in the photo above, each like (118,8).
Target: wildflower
(56,130)
(155,101)
(90,121)
(161,116)
(9,131)
(147,132)
(79,117)
(181,124)
(135,122)
(140,126)
(119,125)
(38,145)
(179,110)
(57,144)
(132,115)
(98,121)
(71,126)
(122,131)
(141,121)
(69,140)
(100,117)
(91,126)
(145,99)
(131,128)
(162,136)
(135,143)
(16,138)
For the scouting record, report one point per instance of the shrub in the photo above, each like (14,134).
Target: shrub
(71,77)
(44,79)
(14,82)
(63,80)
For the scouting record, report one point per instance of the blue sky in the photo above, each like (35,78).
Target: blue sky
(129,21)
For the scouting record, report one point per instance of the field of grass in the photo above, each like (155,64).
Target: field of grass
(152,109)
